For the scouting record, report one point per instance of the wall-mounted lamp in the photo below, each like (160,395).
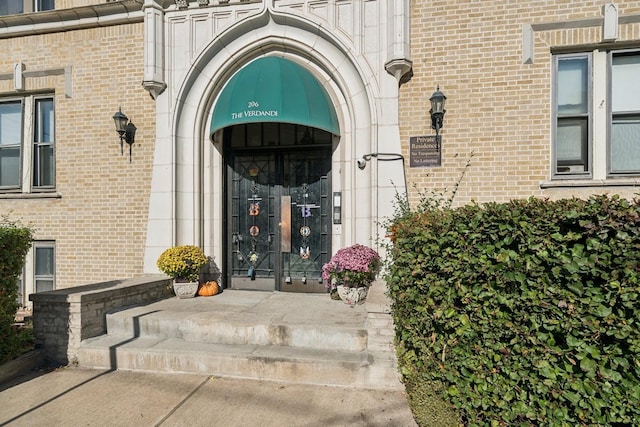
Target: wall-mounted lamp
(437,109)
(125,129)
(383,157)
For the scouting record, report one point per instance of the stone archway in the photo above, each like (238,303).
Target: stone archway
(196,165)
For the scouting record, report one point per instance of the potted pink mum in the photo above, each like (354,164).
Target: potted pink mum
(351,271)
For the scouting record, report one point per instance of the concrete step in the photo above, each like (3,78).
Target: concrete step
(261,335)
(264,362)
(236,328)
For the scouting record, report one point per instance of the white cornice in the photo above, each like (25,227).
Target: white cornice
(112,13)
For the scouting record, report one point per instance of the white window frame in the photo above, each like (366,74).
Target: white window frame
(29,277)
(49,277)
(29,142)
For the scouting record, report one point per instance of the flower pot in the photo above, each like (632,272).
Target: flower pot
(352,295)
(185,289)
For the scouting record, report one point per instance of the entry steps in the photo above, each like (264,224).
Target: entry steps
(298,338)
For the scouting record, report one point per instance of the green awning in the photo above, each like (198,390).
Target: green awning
(274,89)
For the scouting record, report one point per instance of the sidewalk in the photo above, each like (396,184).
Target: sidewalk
(79,397)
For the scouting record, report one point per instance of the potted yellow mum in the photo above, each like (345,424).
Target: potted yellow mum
(183,264)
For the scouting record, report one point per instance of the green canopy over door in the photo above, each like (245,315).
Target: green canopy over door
(274,89)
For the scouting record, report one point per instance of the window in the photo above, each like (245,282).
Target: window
(625,113)
(27,167)
(572,154)
(43,162)
(596,102)
(44,266)
(13,7)
(42,5)
(10,143)
(39,272)
(21,301)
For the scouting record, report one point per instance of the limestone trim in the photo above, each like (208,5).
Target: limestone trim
(55,21)
(529,30)
(575,183)
(20,74)
(154,59)
(196,164)
(399,60)
(30,195)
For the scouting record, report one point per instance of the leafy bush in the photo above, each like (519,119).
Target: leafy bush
(526,312)
(15,241)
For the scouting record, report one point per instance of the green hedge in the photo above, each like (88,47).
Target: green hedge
(15,241)
(526,313)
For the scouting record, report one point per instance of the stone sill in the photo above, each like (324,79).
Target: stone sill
(581,183)
(24,196)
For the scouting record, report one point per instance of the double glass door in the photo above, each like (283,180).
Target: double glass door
(278,219)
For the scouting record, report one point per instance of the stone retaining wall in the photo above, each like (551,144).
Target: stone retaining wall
(64,317)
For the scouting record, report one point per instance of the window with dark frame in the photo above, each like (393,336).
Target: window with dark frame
(572,110)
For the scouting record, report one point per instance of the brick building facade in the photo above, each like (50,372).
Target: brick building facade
(530,92)
(495,63)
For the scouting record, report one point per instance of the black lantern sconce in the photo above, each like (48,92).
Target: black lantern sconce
(125,129)
(437,109)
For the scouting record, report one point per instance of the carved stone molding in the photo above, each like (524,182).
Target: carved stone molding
(398,67)
(154,88)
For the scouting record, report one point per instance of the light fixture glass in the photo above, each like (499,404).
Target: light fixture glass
(121,121)
(126,130)
(437,102)
(437,109)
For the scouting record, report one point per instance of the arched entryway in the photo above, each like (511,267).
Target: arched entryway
(188,201)
(278,127)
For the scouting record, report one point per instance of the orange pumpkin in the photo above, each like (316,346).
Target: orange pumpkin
(208,289)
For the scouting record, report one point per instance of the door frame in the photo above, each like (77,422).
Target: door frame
(278,154)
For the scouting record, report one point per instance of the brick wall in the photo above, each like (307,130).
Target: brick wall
(497,106)
(99,220)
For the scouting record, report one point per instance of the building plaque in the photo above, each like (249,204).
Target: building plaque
(425,151)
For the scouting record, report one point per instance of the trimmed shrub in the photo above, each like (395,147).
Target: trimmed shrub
(15,241)
(526,312)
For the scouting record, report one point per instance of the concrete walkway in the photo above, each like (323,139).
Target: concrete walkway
(80,397)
